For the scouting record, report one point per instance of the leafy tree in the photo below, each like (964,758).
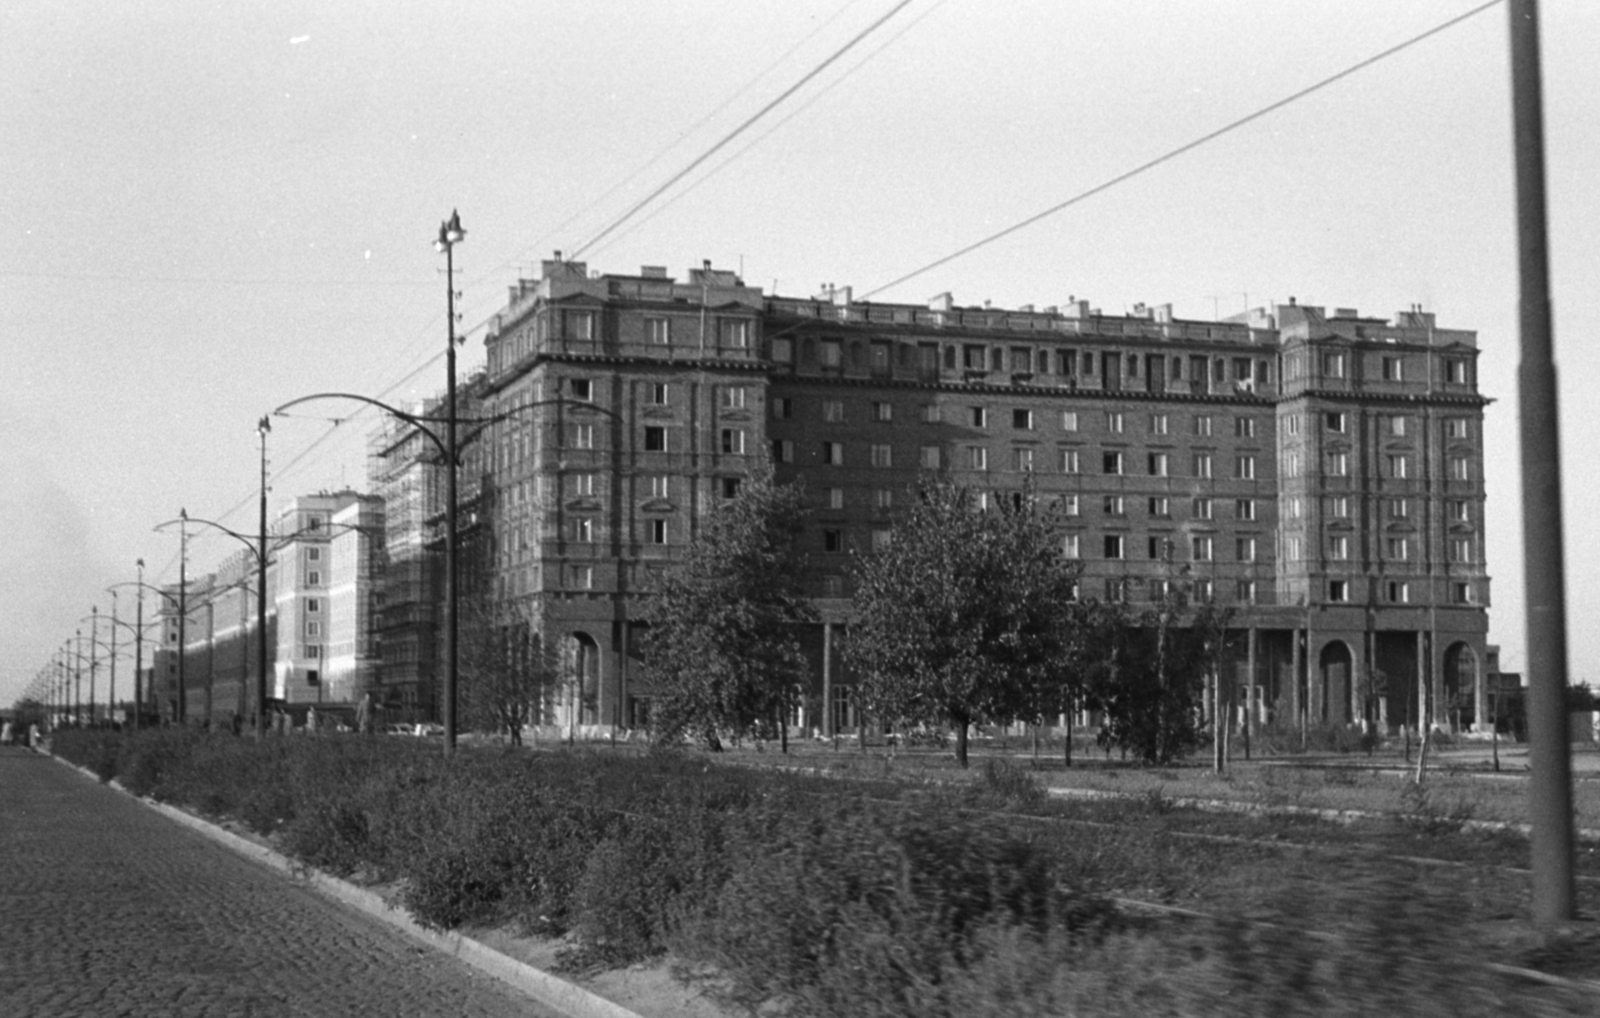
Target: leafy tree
(961,617)
(509,664)
(722,648)
(1152,675)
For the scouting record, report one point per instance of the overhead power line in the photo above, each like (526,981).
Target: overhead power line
(1169,156)
(731,135)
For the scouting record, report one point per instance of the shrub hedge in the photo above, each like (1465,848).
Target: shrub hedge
(804,896)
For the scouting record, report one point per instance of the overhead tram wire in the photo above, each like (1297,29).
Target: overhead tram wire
(661,153)
(1190,146)
(807,104)
(730,136)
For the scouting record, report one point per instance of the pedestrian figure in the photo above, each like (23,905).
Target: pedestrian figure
(33,736)
(364,714)
(5,734)
(311,719)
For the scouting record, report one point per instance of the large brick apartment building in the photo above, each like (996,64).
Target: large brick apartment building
(1321,472)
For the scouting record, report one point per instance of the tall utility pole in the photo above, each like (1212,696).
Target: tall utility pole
(262,428)
(138,653)
(1550,790)
(450,234)
(183,612)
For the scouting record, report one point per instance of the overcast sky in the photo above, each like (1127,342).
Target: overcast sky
(211,209)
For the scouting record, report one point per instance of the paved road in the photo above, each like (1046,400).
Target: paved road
(108,908)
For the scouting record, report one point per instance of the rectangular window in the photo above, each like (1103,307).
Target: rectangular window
(1339,548)
(1461,549)
(1022,460)
(1458,510)
(1244,427)
(1160,505)
(313,579)
(1338,464)
(313,629)
(1455,371)
(1069,420)
(583,436)
(579,324)
(1397,548)
(1158,464)
(657,331)
(581,388)
(1337,422)
(583,529)
(1202,509)
(1399,592)
(881,455)
(660,485)
(582,484)
(1397,426)
(1114,505)
(783,351)
(880,538)
(1202,464)
(1244,468)
(1113,546)
(655,438)
(1070,547)
(1111,463)
(1200,547)
(1294,550)
(733,441)
(1339,590)
(883,498)
(1021,359)
(1245,547)
(730,487)
(882,411)
(1399,466)
(835,498)
(1244,509)
(1461,593)
(830,353)
(1247,592)
(658,530)
(313,605)
(733,397)
(580,577)
(1392,369)
(1455,427)
(1069,505)
(833,585)
(313,554)
(1069,461)
(1460,468)
(1291,425)
(736,335)
(832,540)
(977,457)
(1022,420)
(782,450)
(1158,424)
(930,413)
(1333,365)
(929,459)
(833,410)
(658,393)
(833,454)
(1114,421)
(972,358)
(1339,506)
(1202,425)
(978,416)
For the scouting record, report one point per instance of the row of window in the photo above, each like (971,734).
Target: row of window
(1024,459)
(1397,425)
(1396,465)
(1391,367)
(1395,548)
(1457,510)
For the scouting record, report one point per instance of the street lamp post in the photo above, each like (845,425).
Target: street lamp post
(450,234)
(258,549)
(183,615)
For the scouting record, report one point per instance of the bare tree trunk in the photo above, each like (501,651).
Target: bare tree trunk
(961,744)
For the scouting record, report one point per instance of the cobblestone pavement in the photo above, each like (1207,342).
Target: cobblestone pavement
(108,908)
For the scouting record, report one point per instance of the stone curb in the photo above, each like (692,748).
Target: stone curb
(568,998)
